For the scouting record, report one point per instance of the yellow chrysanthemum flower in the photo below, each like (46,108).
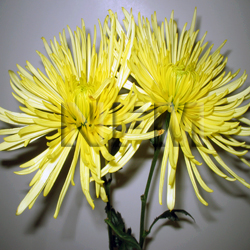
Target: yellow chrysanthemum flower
(75,104)
(194,90)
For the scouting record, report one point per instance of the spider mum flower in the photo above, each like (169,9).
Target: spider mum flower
(74,102)
(198,96)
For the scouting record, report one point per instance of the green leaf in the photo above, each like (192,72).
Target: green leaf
(125,240)
(168,215)
(183,212)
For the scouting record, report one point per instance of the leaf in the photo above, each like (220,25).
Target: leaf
(184,212)
(126,240)
(170,215)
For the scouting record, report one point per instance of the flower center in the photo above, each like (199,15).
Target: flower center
(180,80)
(181,73)
(78,103)
(83,101)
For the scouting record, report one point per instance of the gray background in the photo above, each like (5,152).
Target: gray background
(224,224)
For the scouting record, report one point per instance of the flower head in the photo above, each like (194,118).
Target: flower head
(73,104)
(192,88)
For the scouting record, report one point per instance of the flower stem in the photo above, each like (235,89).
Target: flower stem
(145,195)
(157,143)
(108,211)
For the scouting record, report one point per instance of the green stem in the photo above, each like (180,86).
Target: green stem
(108,211)
(145,195)
(157,142)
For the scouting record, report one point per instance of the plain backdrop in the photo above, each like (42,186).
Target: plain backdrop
(224,224)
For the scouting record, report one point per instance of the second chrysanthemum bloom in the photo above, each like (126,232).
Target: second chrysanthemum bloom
(197,95)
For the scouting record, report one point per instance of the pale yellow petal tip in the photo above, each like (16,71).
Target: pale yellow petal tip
(198,163)
(18,212)
(110,12)
(45,193)
(170,208)
(203,201)
(44,40)
(56,213)
(170,204)
(105,200)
